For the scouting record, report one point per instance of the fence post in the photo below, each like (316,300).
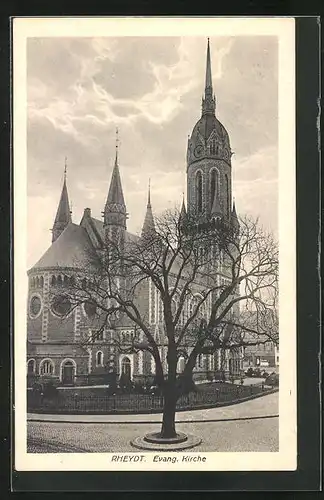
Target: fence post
(251,389)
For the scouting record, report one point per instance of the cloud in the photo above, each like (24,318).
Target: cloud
(80,89)
(255,180)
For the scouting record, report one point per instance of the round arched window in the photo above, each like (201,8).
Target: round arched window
(61,305)
(90,309)
(35,306)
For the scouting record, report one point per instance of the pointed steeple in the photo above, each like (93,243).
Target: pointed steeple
(63,213)
(234,218)
(208,81)
(208,101)
(149,195)
(234,214)
(115,193)
(148,225)
(183,213)
(115,208)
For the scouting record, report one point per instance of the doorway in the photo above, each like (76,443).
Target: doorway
(68,373)
(126,368)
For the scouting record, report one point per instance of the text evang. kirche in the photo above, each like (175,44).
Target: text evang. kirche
(158,458)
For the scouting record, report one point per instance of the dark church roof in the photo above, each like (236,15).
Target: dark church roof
(99,227)
(205,126)
(72,249)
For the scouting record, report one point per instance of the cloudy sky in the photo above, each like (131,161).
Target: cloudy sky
(81,89)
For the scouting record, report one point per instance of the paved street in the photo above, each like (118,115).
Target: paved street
(248,426)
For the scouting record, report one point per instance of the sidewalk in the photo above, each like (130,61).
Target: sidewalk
(262,407)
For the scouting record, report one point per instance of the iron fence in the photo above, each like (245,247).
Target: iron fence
(64,402)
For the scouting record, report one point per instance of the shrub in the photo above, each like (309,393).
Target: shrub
(220,376)
(185,384)
(139,387)
(125,384)
(50,391)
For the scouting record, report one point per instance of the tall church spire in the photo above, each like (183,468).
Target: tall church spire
(63,213)
(208,102)
(208,82)
(149,195)
(148,225)
(115,208)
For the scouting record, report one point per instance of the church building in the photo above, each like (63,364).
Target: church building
(55,330)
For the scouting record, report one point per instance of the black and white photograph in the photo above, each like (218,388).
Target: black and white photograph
(155,312)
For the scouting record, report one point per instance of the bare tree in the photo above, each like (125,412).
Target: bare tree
(217,285)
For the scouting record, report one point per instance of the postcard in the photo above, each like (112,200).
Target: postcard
(154,244)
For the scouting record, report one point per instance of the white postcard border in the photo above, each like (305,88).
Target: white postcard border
(284,29)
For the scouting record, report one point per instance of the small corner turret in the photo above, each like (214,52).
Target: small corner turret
(63,213)
(115,213)
(234,218)
(148,225)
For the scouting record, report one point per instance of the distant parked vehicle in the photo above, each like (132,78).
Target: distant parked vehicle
(256,372)
(249,372)
(272,380)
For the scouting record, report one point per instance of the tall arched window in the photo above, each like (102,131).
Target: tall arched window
(213,186)
(99,358)
(227,195)
(199,194)
(53,281)
(46,367)
(31,365)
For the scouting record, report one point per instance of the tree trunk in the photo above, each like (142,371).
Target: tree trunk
(169,411)
(170,389)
